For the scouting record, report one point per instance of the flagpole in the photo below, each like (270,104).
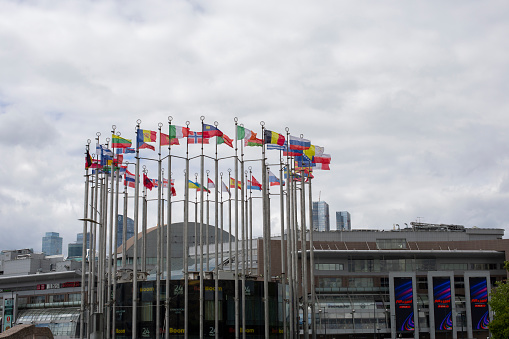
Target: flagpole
(135,249)
(266,238)
(282,217)
(102,248)
(110,240)
(202,160)
(207,221)
(186,242)
(95,213)
(304,256)
(289,239)
(115,241)
(168,242)
(222,223)
(250,225)
(159,221)
(84,245)
(196,240)
(236,169)
(230,220)
(124,224)
(312,260)
(295,242)
(243,240)
(216,247)
(144,225)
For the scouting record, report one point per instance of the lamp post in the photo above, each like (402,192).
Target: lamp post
(353,319)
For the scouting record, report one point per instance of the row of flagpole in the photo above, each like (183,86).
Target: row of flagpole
(289,269)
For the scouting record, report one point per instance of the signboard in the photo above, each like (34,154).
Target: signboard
(442,303)
(479,303)
(404,300)
(8,314)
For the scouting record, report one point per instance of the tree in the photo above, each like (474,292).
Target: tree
(499,303)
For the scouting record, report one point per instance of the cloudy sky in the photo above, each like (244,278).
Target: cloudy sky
(408,97)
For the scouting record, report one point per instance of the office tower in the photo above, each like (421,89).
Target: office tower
(321,221)
(74,250)
(52,243)
(130,229)
(343,221)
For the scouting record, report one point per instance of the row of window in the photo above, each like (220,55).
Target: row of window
(52,298)
(411,265)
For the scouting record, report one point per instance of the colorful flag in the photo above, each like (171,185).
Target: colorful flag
(292,153)
(303,161)
(273,180)
(197,186)
(232,183)
(147,182)
(273,138)
(253,141)
(243,133)
(196,138)
(210,131)
(125,150)
(165,140)
(178,131)
(144,136)
(322,159)
(119,142)
(225,139)
(299,144)
(323,167)
(129,179)
(225,188)
(254,184)
(88,160)
(103,150)
(210,183)
(277,147)
(144,145)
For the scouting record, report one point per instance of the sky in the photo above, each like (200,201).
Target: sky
(408,97)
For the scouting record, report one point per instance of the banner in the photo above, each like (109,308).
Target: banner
(404,300)
(479,303)
(442,303)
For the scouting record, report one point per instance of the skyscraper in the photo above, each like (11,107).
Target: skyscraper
(74,250)
(130,228)
(343,221)
(321,221)
(52,243)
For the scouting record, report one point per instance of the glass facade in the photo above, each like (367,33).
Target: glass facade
(321,218)
(52,243)
(129,228)
(343,221)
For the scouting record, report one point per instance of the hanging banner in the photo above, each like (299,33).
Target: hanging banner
(442,303)
(404,300)
(479,303)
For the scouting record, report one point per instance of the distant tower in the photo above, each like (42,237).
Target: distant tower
(343,221)
(74,250)
(130,229)
(52,243)
(321,217)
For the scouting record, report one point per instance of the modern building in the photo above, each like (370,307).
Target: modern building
(52,244)
(343,221)
(74,250)
(321,218)
(120,229)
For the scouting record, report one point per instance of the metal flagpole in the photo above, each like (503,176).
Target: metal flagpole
(102,239)
(222,223)
(110,240)
(202,160)
(115,241)
(311,260)
(144,225)
(208,222)
(266,239)
(250,225)
(159,222)
(124,225)
(84,246)
(216,247)
(196,241)
(290,240)
(93,240)
(236,169)
(135,248)
(168,242)
(303,252)
(230,220)
(243,241)
(295,225)
(186,242)
(282,213)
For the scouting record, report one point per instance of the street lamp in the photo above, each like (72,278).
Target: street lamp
(353,319)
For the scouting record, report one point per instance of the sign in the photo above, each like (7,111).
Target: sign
(442,303)
(404,300)
(8,314)
(479,303)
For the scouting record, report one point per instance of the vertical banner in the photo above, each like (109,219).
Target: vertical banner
(479,303)
(8,314)
(404,300)
(442,303)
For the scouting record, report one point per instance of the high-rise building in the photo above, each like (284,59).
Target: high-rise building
(129,228)
(321,218)
(343,221)
(52,243)
(74,250)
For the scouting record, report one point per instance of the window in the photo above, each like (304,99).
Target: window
(366,265)
(360,282)
(454,267)
(329,282)
(74,297)
(391,244)
(57,298)
(38,299)
(329,267)
(483,267)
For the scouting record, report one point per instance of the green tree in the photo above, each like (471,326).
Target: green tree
(499,303)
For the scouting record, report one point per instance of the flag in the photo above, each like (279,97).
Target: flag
(144,136)
(129,179)
(299,143)
(165,183)
(225,139)
(323,167)
(273,180)
(165,140)
(196,138)
(225,188)
(232,183)
(119,142)
(277,147)
(292,153)
(96,163)
(322,159)
(125,150)
(273,138)
(154,182)
(103,151)
(210,183)
(253,141)
(210,131)
(303,161)
(197,186)
(254,184)
(88,160)
(243,133)
(147,182)
(178,132)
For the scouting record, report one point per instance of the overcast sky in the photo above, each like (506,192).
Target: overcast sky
(410,98)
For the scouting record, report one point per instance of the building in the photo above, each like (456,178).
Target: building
(321,218)
(343,221)
(52,244)
(446,270)
(74,250)
(120,229)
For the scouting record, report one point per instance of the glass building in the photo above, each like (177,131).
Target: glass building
(321,218)
(52,243)
(343,221)
(74,250)
(129,228)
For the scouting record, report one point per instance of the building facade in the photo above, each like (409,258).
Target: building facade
(129,229)
(321,218)
(343,221)
(52,244)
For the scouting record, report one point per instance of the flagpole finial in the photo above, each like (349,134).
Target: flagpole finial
(113,127)
(221,174)
(302,135)
(249,168)
(118,133)
(216,123)
(170,118)
(196,176)
(287,129)
(89,141)
(262,123)
(98,134)
(144,168)
(208,172)
(188,123)
(229,170)
(202,118)
(107,140)
(160,125)
(184,171)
